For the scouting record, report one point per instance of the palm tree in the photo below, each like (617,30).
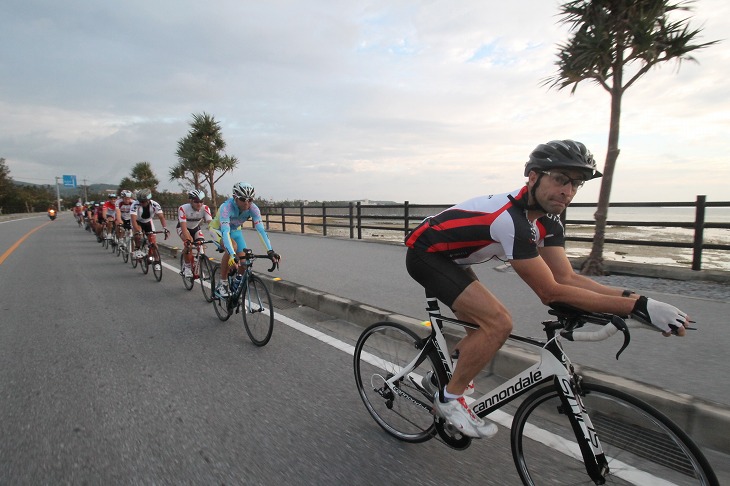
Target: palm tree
(201,155)
(144,176)
(607,37)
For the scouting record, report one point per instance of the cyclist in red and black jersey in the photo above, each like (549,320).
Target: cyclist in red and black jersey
(522,227)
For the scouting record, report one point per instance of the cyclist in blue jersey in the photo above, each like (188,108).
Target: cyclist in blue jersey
(226,227)
(522,227)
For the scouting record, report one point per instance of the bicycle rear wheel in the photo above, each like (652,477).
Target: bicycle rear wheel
(220,304)
(642,446)
(204,275)
(188,282)
(156,262)
(381,352)
(258,311)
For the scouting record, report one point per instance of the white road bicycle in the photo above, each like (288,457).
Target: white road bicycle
(566,431)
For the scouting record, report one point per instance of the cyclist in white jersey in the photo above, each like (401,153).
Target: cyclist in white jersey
(522,227)
(141,214)
(123,217)
(189,218)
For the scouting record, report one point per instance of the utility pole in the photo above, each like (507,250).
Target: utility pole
(86,194)
(58,196)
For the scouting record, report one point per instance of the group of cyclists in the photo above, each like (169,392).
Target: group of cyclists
(136,213)
(521,227)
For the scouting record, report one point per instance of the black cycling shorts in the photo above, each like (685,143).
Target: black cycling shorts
(439,275)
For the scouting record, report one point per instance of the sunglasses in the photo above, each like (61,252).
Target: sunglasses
(563,180)
(196,201)
(245,199)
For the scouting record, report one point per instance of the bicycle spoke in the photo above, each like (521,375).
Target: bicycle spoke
(258,312)
(381,353)
(640,445)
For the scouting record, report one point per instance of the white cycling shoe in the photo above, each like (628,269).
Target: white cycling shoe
(458,414)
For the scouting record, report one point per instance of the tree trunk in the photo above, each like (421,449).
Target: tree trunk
(593,265)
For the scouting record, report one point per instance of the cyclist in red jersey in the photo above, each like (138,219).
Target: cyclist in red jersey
(522,227)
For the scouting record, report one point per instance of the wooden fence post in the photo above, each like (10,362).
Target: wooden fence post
(699,233)
(301,215)
(359,220)
(352,222)
(324,218)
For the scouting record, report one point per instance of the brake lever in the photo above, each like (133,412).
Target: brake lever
(621,325)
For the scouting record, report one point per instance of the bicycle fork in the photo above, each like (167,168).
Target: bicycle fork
(568,384)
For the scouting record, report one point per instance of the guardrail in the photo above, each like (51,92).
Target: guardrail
(397,219)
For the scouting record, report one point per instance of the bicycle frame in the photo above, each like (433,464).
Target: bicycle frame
(245,276)
(554,365)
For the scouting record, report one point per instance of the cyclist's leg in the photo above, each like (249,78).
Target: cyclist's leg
(238,244)
(187,247)
(459,288)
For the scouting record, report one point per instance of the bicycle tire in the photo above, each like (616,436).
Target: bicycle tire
(156,263)
(135,261)
(640,443)
(144,262)
(125,249)
(117,246)
(204,276)
(220,304)
(188,282)
(382,350)
(258,311)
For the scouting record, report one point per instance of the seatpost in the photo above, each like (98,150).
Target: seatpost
(432,306)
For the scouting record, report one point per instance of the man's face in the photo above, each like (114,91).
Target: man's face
(243,203)
(557,188)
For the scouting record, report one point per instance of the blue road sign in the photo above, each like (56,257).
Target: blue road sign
(69,181)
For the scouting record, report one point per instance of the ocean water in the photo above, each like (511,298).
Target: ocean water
(681,257)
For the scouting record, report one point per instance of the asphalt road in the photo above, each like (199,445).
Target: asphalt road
(109,377)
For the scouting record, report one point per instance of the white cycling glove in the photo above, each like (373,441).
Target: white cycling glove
(664,317)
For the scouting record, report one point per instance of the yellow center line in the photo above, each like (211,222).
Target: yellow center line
(17,243)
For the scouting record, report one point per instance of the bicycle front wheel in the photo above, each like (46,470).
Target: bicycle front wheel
(258,311)
(641,445)
(156,262)
(144,262)
(220,304)
(404,411)
(188,282)
(204,275)
(124,247)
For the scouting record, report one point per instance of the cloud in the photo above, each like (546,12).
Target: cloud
(398,99)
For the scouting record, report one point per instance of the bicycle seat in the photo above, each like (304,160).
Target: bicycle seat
(558,309)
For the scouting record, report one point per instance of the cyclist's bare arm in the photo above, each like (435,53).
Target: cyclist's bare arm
(537,274)
(563,272)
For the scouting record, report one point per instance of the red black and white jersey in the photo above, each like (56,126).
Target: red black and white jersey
(124,208)
(188,215)
(487,227)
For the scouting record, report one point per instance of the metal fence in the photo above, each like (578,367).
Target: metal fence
(396,220)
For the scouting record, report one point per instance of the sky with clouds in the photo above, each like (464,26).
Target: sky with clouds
(425,101)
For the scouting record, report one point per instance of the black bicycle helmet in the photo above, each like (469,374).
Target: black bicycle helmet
(144,195)
(567,154)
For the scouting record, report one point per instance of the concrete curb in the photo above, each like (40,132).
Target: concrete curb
(706,422)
